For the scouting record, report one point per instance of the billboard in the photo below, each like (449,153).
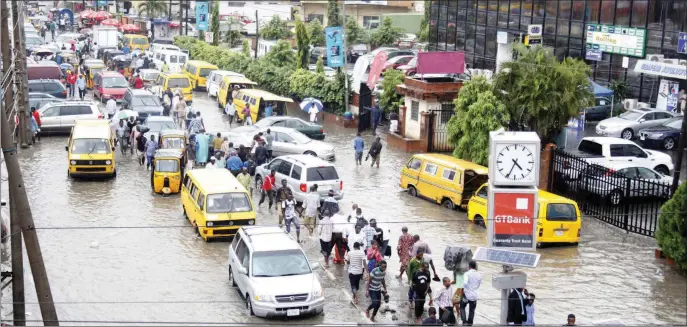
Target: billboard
(335,49)
(616,39)
(513,218)
(202,16)
(376,69)
(449,62)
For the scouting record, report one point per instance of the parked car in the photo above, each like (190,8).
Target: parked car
(52,87)
(611,150)
(109,85)
(628,124)
(290,141)
(143,102)
(32,41)
(395,62)
(62,116)
(406,41)
(313,131)
(39,99)
(215,79)
(665,136)
(618,182)
(601,109)
(45,70)
(301,172)
(356,51)
(273,273)
(410,68)
(318,52)
(328,71)
(155,124)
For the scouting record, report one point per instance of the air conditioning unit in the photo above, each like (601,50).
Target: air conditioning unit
(644,105)
(654,57)
(682,62)
(630,104)
(671,61)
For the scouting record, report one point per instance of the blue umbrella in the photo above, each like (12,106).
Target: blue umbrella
(66,66)
(309,103)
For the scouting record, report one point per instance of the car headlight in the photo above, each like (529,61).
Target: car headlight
(655,136)
(73,162)
(251,222)
(262,297)
(108,162)
(209,224)
(317,291)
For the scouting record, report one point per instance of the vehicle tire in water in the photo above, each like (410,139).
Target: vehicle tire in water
(662,170)
(448,204)
(479,221)
(232,282)
(412,191)
(627,134)
(249,306)
(310,153)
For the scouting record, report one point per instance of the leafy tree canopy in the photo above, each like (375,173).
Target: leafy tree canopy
(354,33)
(303,41)
(386,34)
(152,9)
(275,29)
(333,14)
(214,23)
(390,100)
(670,233)
(316,33)
(281,55)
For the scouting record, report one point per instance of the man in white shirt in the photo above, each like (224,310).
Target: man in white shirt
(139,62)
(471,282)
(356,265)
(111,107)
(356,236)
(313,114)
(310,205)
(230,110)
(444,301)
(211,164)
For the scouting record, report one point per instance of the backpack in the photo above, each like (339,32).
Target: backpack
(189,115)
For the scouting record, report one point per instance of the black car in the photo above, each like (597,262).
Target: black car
(143,102)
(39,99)
(665,136)
(318,52)
(50,86)
(356,51)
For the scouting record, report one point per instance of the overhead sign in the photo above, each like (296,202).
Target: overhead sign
(376,69)
(445,62)
(513,214)
(682,43)
(534,33)
(592,54)
(335,49)
(202,17)
(102,3)
(661,69)
(616,39)
(667,95)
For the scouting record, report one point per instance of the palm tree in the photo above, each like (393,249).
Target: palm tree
(152,8)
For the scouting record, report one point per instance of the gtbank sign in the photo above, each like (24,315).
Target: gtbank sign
(514,219)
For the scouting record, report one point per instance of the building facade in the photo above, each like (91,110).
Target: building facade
(368,13)
(472,25)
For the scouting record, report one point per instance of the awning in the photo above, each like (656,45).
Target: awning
(661,69)
(600,91)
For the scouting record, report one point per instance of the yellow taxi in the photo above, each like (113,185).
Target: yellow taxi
(216,203)
(558,219)
(442,179)
(135,41)
(90,150)
(257,100)
(174,81)
(227,86)
(198,72)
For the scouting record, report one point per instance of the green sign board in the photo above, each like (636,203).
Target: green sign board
(616,39)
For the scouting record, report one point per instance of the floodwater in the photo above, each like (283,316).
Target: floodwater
(116,252)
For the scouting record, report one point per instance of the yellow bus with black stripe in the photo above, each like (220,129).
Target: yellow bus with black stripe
(442,179)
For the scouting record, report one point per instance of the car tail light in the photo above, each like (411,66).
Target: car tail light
(610,172)
(101,116)
(566,164)
(578,232)
(304,187)
(64,92)
(341,185)
(321,130)
(541,232)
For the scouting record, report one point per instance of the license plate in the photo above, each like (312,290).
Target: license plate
(293,312)
(641,137)
(560,233)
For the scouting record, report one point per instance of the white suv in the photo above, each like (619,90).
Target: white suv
(273,274)
(301,171)
(62,116)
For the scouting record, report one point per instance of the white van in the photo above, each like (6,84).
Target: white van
(215,79)
(155,47)
(174,59)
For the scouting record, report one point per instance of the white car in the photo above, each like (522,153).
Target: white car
(628,124)
(273,274)
(215,79)
(329,72)
(290,141)
(62,116)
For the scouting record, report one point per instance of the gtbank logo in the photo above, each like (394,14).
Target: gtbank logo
(512,220)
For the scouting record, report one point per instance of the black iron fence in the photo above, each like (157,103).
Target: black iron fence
(630,198)
(437,140)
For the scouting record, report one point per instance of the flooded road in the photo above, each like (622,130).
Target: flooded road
(157,270)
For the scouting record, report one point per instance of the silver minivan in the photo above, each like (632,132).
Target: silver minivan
(273,274)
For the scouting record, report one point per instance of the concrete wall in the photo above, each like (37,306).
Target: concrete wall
(413,127)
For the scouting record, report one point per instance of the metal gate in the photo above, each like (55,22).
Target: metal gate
(437,134)
(364,104)
(632,204)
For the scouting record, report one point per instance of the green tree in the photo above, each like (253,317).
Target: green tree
(390,100)
(275,29)
(281,55)
(152,9)
(386,34)
(354,33)
(320,66)
(542,92)
(478,111)
(334,14)
(245,48)
(316,33)
(214,23)
(303,41)
(424,24)
(670,234)
(233,36)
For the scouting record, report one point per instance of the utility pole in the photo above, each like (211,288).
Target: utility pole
(257,34)
(343,37)
(7,59)
(169,10)
(188,4)
(682,143)
(21,80)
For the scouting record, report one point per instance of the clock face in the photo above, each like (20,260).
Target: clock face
(515,162)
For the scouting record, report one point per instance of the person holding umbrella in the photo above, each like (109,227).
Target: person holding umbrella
(312,106)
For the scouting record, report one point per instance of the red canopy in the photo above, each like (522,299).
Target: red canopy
(71,41)
(100,15)
(174,24)
(110,22)
(129,28)
(86,13)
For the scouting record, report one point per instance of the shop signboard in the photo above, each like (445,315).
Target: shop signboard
(667,95)
(661,69)
(682,43)
(534,33)
(202,17)
(616,39)
(335,49)
(592,54)
(514,218)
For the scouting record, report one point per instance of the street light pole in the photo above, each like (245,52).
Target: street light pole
(345,51)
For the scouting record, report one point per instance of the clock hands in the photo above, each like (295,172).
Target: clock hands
(511,169)
(515,162)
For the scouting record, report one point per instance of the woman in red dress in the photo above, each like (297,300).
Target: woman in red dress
(405,244)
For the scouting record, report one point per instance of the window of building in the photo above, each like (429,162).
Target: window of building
(446,112)
(607,11)
(414,110)
(312,17)
(370,21)
(564,7)
(639,10)
(578,10)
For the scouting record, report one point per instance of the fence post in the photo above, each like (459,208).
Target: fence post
(430,131)
(626,204)
(551,149)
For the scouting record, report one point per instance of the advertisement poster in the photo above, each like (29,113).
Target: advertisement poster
(335,49)
(514,220)
(667,95)
(376,69)
(202,17)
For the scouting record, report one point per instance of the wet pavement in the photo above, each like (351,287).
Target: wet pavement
(157,269)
